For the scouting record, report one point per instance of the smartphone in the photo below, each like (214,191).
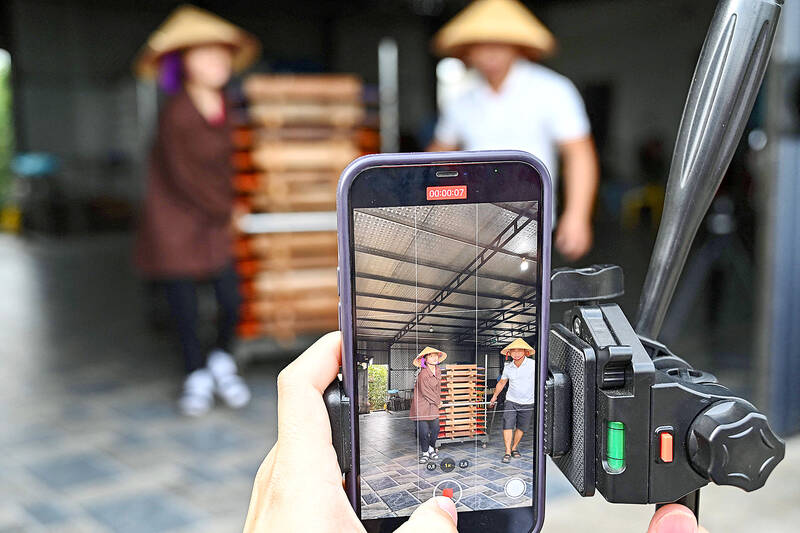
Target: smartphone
(444,265)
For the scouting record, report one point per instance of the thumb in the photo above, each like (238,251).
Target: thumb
(437,515)
(673,518)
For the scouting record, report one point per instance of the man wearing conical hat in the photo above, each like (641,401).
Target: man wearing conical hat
(519,104)
(520,375)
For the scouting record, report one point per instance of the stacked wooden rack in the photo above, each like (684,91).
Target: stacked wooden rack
(463,413)
(299,134)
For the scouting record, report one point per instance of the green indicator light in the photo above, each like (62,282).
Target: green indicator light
(615,446)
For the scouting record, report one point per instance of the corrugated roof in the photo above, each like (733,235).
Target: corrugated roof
(446,272)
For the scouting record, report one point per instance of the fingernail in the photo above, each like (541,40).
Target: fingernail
(446,504)
(677,522)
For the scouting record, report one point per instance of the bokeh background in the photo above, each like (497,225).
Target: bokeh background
(90,439)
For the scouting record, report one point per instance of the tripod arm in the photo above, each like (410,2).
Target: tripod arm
(724,87)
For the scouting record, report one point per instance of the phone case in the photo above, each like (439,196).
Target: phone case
(345,304)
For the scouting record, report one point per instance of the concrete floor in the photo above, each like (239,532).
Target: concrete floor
(90,440)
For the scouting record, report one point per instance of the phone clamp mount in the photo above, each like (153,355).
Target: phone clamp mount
(625,415)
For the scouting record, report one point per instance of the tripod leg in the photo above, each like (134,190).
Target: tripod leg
(692,283)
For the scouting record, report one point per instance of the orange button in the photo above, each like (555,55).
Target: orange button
(666,447)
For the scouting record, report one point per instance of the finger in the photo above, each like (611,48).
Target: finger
(303,424)
(319,364)
(673,518)
(437,515)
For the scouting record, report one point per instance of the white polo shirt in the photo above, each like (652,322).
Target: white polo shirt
(521,381)
(535,110)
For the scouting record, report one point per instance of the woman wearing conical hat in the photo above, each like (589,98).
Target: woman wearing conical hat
(520,375)
(426,401)
(184,237)
(519,104)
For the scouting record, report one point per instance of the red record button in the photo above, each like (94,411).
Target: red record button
(665,440)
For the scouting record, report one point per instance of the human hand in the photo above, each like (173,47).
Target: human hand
(492,402)
(674,518)
(573,236)
(299,485)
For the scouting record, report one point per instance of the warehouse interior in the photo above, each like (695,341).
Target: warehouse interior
(448,276)
(92,440)
(462,279)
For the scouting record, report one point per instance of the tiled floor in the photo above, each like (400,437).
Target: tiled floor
(393,481)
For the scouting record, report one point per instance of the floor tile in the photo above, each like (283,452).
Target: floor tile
(381,482)
(479,502)
(210,439)
(67,471)
(47,513)
(142,513)
(400,500)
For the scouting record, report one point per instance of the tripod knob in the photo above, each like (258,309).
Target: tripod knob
(731,443)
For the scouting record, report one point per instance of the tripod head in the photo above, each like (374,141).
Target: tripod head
(646,427)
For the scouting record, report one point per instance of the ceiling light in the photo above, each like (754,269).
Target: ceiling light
(524,265)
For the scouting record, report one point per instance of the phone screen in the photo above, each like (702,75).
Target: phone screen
(446,281)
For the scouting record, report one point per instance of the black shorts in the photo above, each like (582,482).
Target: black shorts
(517,415)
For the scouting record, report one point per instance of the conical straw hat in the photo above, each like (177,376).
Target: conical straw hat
(426,351)
(495,21)
(518,343)
(189,26)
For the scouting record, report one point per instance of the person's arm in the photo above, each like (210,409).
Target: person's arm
(440,146)
(581,175)
(185,170)
(446,136)
(497,390)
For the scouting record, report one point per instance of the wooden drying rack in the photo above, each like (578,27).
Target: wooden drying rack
(462,415)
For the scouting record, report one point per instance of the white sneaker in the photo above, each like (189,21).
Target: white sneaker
(197,398)
(227,383)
